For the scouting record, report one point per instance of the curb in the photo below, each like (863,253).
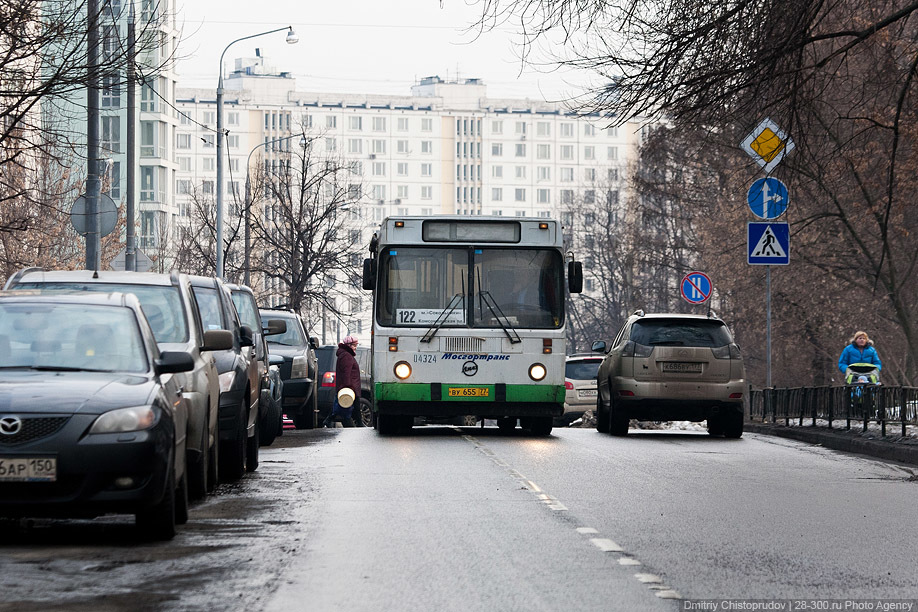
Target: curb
(841,441)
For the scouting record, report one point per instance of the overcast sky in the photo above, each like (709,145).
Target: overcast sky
(361,46)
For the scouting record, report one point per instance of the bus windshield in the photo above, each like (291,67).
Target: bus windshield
(470,287)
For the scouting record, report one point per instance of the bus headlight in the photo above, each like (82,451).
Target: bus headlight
(403,370)
(537,371)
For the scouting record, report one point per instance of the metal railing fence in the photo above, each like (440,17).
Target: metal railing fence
(864,403)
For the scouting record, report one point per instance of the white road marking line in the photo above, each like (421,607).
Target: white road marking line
(668,594)
(648,578)
(628,561)
(606,545)
(586,530)
(532,485)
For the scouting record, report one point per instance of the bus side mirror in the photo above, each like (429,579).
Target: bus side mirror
(369,274)
(575,276)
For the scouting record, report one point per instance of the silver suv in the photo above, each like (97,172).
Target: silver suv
(169,304)
(664,367)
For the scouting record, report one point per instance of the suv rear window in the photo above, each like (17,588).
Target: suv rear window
(680,332)
(325,356)
(583,369)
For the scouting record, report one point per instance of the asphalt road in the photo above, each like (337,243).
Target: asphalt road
(470,519)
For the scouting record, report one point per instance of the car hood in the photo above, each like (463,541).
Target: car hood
(286,351)
(27,391)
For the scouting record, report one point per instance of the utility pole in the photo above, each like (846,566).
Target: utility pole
(130,260)
(93,184)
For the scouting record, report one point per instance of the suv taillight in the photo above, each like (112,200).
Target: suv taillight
(568,385)
(731,351)
(633,349)
(328,379)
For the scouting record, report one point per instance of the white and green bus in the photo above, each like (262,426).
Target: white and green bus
(469,320)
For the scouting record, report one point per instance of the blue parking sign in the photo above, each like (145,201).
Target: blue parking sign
(696,287)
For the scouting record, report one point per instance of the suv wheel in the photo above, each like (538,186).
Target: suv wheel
(716,425)
(618,422)
(733,425)
(540,426)
(602,418)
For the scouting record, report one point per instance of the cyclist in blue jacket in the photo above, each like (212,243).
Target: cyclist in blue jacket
(859,350)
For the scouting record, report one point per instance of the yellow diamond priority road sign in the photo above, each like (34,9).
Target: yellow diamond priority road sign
(767,144)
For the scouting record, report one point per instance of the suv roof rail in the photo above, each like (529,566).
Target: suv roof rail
(20,273)
(639,312)
(174,277)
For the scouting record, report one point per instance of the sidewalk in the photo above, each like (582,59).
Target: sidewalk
(891,448)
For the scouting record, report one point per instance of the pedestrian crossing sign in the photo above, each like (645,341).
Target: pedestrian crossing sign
(769,244)
(767,144)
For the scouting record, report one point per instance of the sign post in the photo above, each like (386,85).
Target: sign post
(769,243)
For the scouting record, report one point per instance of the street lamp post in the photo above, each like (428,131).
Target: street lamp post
(247,267)
(292,38)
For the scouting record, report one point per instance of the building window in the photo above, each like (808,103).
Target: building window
(612,153)
(331,121)
(401,146)
(111,91)
(497,194)
(426,124)
(497,172)
(232,141)
(543,196)
(209,164)
(112,180)
(543,151)
(183,141)
(589,152)
(567,130)
(497,127)
(111,134)
(589,174)
(567,197)
(379,168)
(379,146)
(401,169)
(426,192)
(520,195)
(426,169)
(520,172)
(185,164)
(589,130)
(147,187)
(379,124)
(567,175)
(543,128)
(520,150)
(427,146)
(183,187)
(521,128)
(544,173)
(613,174)
(354,145)
(589,197)
(402,124)
(378,192)
(401,192)
(355,122)
(612,132)
(567,151)
(208,140)
(331,144)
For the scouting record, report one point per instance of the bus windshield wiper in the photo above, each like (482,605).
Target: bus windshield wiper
(444,315)
(500,316)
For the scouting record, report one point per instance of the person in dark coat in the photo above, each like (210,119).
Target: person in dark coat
(347,375)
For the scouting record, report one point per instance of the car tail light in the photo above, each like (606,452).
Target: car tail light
(625,393)
(328,379)
(568,385)
(633,349)
(736,396)
(731,351)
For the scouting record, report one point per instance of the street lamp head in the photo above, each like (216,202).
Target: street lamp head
(292,38)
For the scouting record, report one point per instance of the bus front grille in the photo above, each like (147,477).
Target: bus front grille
(463,345)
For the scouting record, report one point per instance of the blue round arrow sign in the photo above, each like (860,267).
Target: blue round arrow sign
(767,198)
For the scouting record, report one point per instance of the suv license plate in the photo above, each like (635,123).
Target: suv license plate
(468,392)
(682,367)
(28,469)
(582,393)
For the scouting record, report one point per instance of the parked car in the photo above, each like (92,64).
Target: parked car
(299,368)
(363,409)
(169,304)
(240,385)
(671,367)
(579,387)
(270,406)
(92,419)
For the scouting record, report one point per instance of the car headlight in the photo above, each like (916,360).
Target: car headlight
(537,371)
(402,370)
(226,381)
(135,418)
(300,367)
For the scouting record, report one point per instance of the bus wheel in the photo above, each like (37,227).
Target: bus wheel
(541,426)
(386,424)
(506,424)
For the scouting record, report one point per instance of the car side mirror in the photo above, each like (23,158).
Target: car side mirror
(598,347)
(369,274)
(217,340)
(275,360)
(170,362)
(275,327)
(246,336)
(575,276)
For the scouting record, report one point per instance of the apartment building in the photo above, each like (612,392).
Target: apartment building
(444,149)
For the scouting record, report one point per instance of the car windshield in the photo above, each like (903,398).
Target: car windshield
(294,335)
(162,304)
(49,336)
(325,356)
(680,332)
(585,369)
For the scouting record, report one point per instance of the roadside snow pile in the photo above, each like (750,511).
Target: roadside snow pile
(587,421)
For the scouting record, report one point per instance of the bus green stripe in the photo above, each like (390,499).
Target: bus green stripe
(414,392)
